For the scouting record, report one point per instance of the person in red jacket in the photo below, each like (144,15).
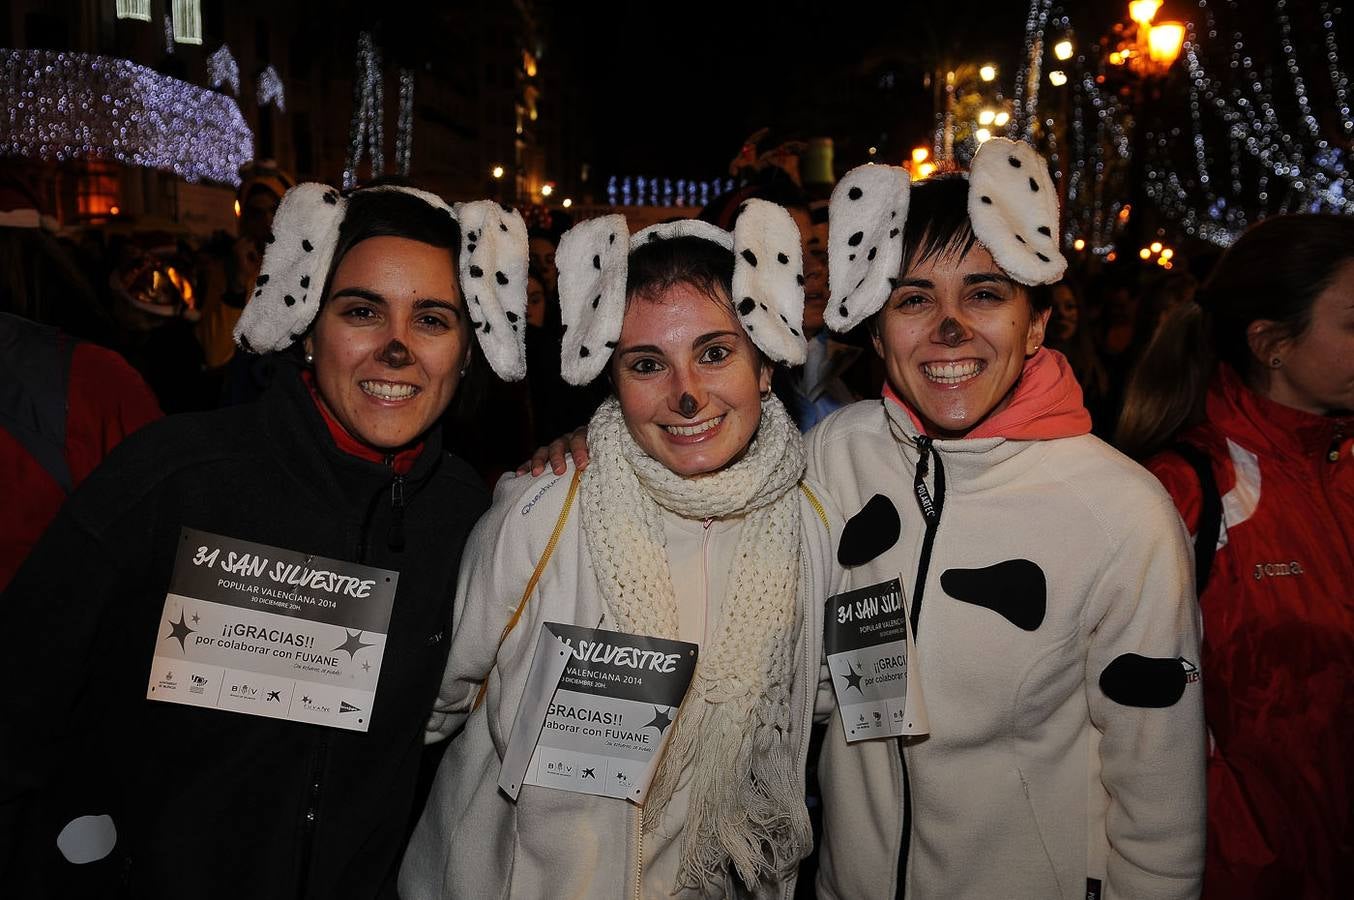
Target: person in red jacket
(1275,545)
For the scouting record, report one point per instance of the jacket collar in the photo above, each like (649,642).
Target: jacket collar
(1262,424)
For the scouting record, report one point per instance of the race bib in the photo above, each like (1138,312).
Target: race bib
(272,632)
(868,642)
(597,709)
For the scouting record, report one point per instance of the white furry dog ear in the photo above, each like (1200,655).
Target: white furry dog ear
(1014,210)
(865,242)
(768,280)
(493,270)
(295,265)
(593,261)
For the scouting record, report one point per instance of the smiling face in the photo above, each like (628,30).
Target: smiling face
(954,336)
(390,341)
(689,379)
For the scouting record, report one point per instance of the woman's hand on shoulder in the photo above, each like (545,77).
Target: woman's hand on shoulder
(574,444)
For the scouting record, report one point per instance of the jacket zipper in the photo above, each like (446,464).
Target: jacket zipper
(931,507)
(639,852)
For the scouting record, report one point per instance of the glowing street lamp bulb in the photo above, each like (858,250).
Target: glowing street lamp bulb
(925,169)
(1057,78)
(1116,58)
(1143,11)
(982,135)
(920,155)
(1155,246)
(1063,50)
(547,190)
(1001,119)
(873,150)
(1144,253)
(1167,253)
(986,117)
(567,203)
(497,171)
(1079,244)
(1164,42)
(988,72)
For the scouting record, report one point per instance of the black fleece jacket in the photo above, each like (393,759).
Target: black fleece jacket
(209,803)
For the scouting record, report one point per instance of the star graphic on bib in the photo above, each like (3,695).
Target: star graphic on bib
(179,630)
(852,678)
(366,667)
(661,720)
(352,645)
(196,618)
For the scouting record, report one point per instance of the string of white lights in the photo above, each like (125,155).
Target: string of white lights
(223,69)
(404,124)
(367,130)
(1339,79)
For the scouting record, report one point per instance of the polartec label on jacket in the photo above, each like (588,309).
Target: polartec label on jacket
(868,642)
(272,632)
(596,711)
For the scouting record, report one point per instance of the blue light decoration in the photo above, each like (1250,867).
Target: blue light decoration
(64,106)
(270,90)
(223,69)
(368,126)
(639,190)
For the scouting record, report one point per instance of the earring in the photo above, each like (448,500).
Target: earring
(1275,363)
(310,359)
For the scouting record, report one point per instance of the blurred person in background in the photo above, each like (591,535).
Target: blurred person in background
(1242,406)
(1070,335)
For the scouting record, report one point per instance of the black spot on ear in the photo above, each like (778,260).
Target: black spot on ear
(1042,257)
(855,193)
(799,280)
(750,257)
(893,214)
(512,316)
(303,297)
(794,331)
(746,305)
(1034,185)
(562,329)
(783,319)
(986,199)
(470,248)
(476,325)
(514,328)
(289,300)
(475,299)
(486,327)
(1045,231)
(611,345)
(331,198)
(258,293)
(1142,681)
(473,235)
(476,272)
(893,232)
(596,300)
(305,281)
(870,532)
(653,236)
(307,246)
(1015,589)
(611,238)
(584,351)
(502,227)
(843,311)
(271,237)
(855,239)
(858,284)
(244,344)
(500,278)
(870,255)
(852,257)
(763,306)
(782,259)
(597,261)
(506,209)
(1021,239)
(262,279)
(1015,163)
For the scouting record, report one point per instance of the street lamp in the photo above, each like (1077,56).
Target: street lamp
(987,117)
(1164,42)
(547,189)
(988,72)
(497,172)
(1057,78)
(982,135)
(1063,50)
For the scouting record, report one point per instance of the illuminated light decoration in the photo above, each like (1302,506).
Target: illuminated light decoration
(1164,41)
(1026,94)
(223,69)
(113,210)
(1155,246)
(1057,78)
(872,151)
(188,21)
(982,135)
(988,73)
(404,123)
(367,130)
(270,90)
(1143,11)
(169,34)
(567,203)
(1338,78)
(547,189)
(497,172)
(985,117)
(1167,253)
(237,208)
(138,10)
(81,106)
(925,170)
(920,155)
(1145,253)
(1063,50)
(637,190)
(1079,244)
(1001,118)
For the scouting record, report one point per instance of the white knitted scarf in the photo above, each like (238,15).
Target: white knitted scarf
(733,730)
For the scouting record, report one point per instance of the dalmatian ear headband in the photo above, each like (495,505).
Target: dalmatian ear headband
(493,272)
(1011,202)
(768,283)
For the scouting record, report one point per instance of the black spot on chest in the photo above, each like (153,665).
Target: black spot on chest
(1015,589)
(870,532)
(1142,681)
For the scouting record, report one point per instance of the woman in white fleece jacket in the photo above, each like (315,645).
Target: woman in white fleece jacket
(1048,577)
(692,522)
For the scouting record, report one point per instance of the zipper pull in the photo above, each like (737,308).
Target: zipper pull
(706,523)
(396,537)
(924,501)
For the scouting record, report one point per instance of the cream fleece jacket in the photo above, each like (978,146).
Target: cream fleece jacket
(474,842)
(1058,646)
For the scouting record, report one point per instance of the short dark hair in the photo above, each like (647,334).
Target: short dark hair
(656,266)
(938,224)
(390,213)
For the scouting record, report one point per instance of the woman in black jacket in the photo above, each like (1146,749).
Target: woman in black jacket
(281,573)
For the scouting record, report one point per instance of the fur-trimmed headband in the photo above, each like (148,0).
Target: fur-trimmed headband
(1011,202)
(492,270)
(768,283)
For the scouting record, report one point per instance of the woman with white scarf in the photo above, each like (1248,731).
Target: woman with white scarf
(693,522)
